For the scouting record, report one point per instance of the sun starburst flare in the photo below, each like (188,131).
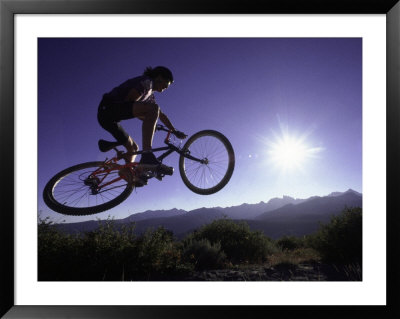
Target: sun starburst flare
(290,153)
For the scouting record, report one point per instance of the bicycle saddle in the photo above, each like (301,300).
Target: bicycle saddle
(105,146)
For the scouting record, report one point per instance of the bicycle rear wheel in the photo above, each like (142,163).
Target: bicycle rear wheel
(75,190)
(215,164)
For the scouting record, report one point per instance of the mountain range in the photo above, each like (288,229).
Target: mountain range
(275,218)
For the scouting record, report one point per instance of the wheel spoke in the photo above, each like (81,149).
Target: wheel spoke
(210,174)
(79,189)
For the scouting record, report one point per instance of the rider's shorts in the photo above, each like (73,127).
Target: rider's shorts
(110,114)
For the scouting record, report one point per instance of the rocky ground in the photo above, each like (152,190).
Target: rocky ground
(300,272)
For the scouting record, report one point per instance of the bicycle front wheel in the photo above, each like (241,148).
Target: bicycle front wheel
(78,190)
(207,162)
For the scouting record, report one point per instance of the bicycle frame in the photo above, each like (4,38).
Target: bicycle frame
(112,165)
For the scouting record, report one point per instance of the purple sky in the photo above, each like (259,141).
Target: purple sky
(251,90)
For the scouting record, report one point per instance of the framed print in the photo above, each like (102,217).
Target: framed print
(286,61)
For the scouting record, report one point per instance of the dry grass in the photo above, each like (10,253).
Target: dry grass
(294,257)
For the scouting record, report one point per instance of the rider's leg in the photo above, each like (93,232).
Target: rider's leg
(148,113)
(118,132)
(131,146)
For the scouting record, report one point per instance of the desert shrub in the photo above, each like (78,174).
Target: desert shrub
(107,253)
(56,252)
(238,242)
(203,255)
(290,242)
(97,255)
(294,256)
(340,241)
(157,255)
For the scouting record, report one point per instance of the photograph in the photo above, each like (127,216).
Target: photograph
(175,160)
(214,159)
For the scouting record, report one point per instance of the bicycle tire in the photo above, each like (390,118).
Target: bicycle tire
(229,166)
(55,205)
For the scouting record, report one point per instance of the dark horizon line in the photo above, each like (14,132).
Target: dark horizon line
(188,211)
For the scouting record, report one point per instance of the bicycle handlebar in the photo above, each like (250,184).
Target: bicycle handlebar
(160,127)
(178,134)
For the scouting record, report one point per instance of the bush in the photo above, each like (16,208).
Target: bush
(238,242)
(114,252)
(57,253)
(290,243)
(340,241)
(203,255)
(107,253)
(156,256)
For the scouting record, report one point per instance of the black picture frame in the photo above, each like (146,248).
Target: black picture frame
(8,10)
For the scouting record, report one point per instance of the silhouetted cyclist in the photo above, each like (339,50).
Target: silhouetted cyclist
(134,98)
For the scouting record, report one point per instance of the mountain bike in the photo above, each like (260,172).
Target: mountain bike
(206,164)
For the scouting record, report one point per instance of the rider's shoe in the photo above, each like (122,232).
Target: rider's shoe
(165,170)
(149,161)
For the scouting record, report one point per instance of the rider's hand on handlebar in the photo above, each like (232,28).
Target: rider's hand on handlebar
(180,134)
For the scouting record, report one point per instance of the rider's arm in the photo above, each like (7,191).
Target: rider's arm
(163,118)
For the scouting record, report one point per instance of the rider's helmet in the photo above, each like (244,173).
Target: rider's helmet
(162,71)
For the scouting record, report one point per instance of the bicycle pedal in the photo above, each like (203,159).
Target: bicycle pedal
(166,170)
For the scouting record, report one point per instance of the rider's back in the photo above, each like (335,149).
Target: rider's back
(142,84)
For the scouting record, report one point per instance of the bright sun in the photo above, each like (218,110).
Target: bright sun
(290,153)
